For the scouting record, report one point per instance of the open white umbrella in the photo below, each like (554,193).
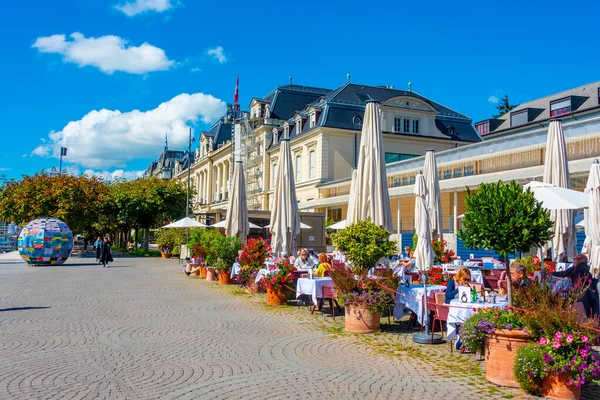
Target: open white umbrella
(372,196)
(434,205)
(302,226)
(223,224)
(338,225)
(557,198)
(285,220)
(592,228)
(351,213)
(236,221)
(556,172)
(185,223)
(424,255)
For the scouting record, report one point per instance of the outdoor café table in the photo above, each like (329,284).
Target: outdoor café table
(262,273)
(412,298)
(312,287)
(460,312)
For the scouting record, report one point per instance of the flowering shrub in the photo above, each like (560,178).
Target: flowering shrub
(436,276)
(375,301)
(280,278)
(563,353)
(485,322)
(442,254)
(254,254)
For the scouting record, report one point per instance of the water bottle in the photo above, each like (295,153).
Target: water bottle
(310,273)
(473,295)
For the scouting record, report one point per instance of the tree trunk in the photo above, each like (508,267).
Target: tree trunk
(146,239)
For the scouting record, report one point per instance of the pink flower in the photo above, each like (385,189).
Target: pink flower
(569,338)
(556,345)
(584,339)
(543,341)
(558,335)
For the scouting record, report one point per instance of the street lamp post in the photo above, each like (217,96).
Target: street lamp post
(63,152)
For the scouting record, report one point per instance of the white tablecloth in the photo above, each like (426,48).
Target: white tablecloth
(412,298)
(460,312)
(312,287)
(235,269)
(262,273)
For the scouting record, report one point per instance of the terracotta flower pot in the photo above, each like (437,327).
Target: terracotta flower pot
(556,386)
(359,319)
(202,272)
(252,287)
(276,297)
(224,277)
(165,255)
(210,274)
(500,352)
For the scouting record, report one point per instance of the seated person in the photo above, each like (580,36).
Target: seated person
(339,255)
(462,278)
(313,257)
(303,261)
(324,266)
(580,274)
(518,275)
(407,252)
(410,262)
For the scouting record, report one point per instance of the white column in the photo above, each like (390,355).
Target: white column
(218,182)
(455,213)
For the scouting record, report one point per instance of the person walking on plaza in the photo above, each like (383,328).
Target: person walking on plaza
(98,248)
(105,255)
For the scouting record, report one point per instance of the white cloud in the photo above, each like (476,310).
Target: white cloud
(195,69)
(109,53)
(114,175)
(217,54)
(5,169)
(111,138)
(135,7)
(493,99)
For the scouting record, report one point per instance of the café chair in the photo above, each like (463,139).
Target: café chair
(441,311)
(328,293)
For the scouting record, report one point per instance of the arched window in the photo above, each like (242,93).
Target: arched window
(357,120)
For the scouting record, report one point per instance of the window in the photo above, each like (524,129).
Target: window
(483,128)
(298,168)
(274,178)
(394,157)
(415,126)
(560,107)
(357,120)
(412,179)
(406,125)
(457,172)
(519,118)
(313,119)
(447,174)
(405,181)
(311,164)
(469,170)
(298,125)
(334,214)
(397,124)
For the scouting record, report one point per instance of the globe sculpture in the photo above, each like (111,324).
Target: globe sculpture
(45,241)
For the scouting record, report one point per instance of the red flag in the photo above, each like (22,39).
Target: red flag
(237,84)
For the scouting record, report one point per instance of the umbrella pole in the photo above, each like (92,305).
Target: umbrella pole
(427,337)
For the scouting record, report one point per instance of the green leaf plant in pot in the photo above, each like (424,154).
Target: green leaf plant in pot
(364,243)
(223,251)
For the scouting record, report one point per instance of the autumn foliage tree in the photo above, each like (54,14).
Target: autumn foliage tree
(74,200)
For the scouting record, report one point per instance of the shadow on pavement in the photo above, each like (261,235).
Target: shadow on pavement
(22,308)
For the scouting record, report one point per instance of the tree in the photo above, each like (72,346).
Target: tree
(503,106)
(74,200)
(504,218)
(148,204)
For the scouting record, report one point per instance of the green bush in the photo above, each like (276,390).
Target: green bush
(201,240)
(364,244)
(224,250)
(169,238)
(530,368)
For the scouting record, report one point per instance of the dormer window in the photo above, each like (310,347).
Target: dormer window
(483,128)
(519,118)
(357,120)
(298,125)
(313,119)
(560,107)
(286,130)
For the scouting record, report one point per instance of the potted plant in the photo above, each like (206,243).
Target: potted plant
(252,259)
(204,238)
(224,250)
(168,239)
(199,253)
(505,218)
(364,243)
(560,360)
(278,283)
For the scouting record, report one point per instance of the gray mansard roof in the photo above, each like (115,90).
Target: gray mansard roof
(220,131)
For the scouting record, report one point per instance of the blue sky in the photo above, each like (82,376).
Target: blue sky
(97,89)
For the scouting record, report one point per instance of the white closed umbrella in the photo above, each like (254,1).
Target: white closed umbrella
(424,255)
(372,197)
(556,172)
(186,222)
(236,221)
(557,198)
(592,225)
(352,213)
(434,204)
(285,220)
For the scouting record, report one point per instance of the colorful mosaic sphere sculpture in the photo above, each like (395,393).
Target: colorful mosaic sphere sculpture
(45,241)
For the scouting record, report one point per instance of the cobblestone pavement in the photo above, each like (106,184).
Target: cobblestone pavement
(142,330)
